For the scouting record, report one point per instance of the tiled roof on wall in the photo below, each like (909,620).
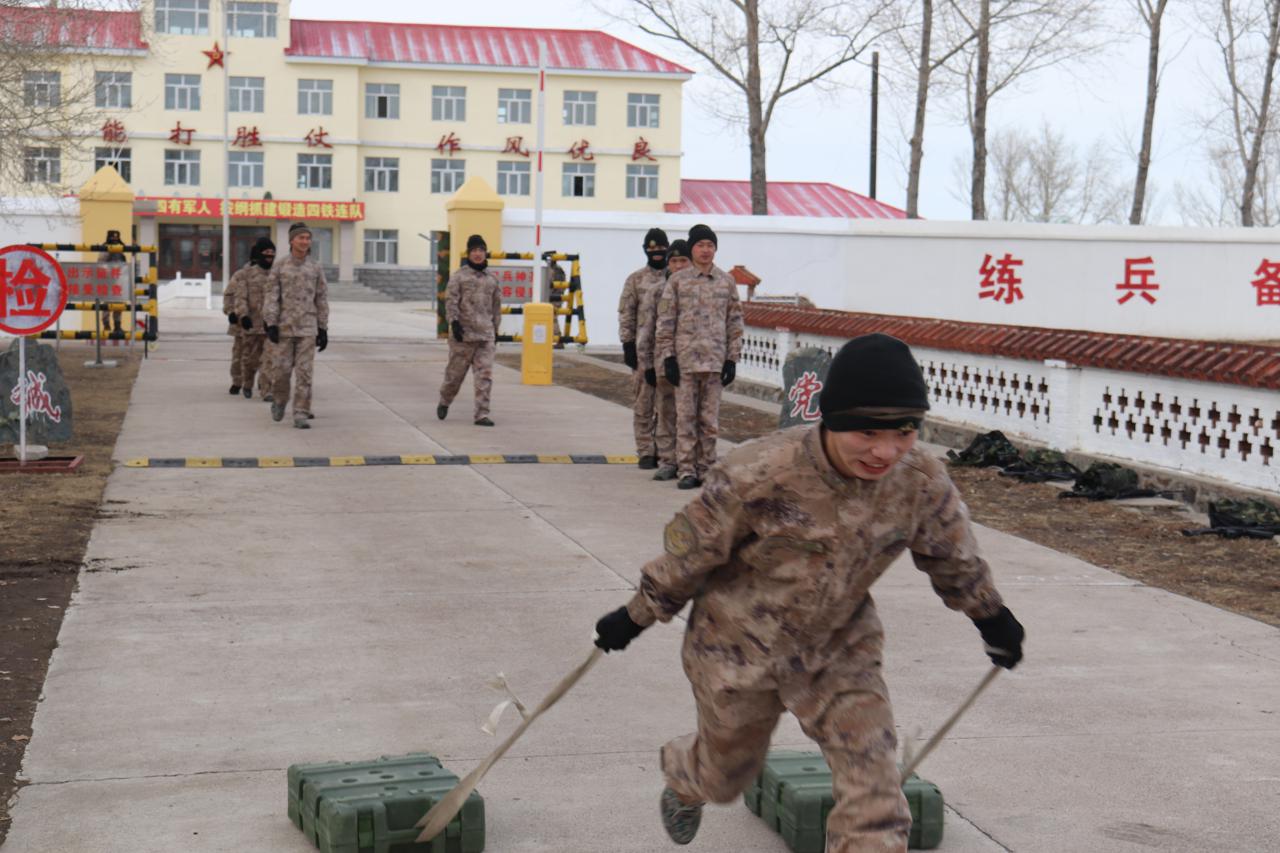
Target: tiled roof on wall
(786,198)
(72,28)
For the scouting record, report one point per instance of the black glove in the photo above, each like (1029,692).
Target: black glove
(1003,636)
(457,330)
(322,339)
(246,322)
(671,369)
(232,318)
(615,631)
(629,357)
(273,332)
(651,377)
(727,373)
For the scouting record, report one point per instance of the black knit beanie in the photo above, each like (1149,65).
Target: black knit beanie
(874,383)
(475,241)
(679,249)
(702,232)
(298,228)
(655,235)
(255,254)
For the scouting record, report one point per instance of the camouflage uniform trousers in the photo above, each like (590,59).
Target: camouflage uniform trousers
(844,708)
(237,357)
(267,367)
(294,355)
(697,422)
(250,358)
(645,417)
(664,405)
(478,356)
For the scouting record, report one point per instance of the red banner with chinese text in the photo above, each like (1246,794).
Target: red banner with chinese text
(346,211)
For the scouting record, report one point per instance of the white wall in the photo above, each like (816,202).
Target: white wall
(932,269)
(39,220)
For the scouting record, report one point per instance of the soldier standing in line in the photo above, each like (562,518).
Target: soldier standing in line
(250,284)
(699,336)
(778,555)
(473,306)
(641,289)
(234,330)
(664,392)
(296,311)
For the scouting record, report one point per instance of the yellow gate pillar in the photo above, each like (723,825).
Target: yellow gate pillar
(106,204)
(474,209)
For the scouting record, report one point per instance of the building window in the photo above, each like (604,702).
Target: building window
(382,100)
(381,246)
(252,20)
(642,181)
(42,166)
(315,171)
(447,175)
(120,158)
(315,97)
(182,91)
(513,177)
(182,168)
(42,88)
(113,89)
(245,169)
(515,106)
(579,180)
(382,174)
(248,95)
(182,17)
(448,103)
(579,107)
(642,110)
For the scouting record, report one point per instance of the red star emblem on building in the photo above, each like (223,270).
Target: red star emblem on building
(215,56)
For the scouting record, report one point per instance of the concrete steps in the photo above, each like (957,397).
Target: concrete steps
(353,291)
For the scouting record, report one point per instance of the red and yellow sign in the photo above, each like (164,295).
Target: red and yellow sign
(345,211)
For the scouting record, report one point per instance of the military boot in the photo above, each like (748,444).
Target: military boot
(301,422)
(484,422)
(647,463)
(442,411)
(688,481)
(247,391)
(235,389)
(681,821)
(666,472)
(277,411)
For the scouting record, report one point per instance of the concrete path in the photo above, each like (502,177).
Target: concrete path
(232,622)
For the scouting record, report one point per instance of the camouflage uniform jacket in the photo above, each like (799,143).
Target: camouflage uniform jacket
(641,286)
(229,297)
(250,282)
(646,330)
(779,553)
(700,320)
(297,298)
(473,299)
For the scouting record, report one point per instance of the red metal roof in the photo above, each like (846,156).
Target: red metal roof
(1253,365)
(72,28)
(786,198)
(438,44)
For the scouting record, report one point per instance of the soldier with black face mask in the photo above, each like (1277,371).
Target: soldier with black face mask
(640,290)
(249,290)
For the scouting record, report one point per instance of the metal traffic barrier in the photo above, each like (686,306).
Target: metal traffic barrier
(566,296)
(148,291)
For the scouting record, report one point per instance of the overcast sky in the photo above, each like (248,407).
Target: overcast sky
(821,138)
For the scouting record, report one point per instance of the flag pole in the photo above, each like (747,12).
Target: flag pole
(226,145)
(540,267)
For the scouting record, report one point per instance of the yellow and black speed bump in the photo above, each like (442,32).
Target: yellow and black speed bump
(371,461)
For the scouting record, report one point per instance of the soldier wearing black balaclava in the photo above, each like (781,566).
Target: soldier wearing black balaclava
(250,289)
(641,289)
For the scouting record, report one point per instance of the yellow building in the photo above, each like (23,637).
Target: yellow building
(362,129)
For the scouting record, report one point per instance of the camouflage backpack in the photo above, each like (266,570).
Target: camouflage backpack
(991,450)
(1038,466)
(1254,519)
(1107,481)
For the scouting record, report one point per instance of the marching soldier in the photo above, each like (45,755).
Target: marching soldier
(234,330)
(664,393)
(296,311)
(778,555)
(250,283)
(473,305)
(699,337)
(642,288)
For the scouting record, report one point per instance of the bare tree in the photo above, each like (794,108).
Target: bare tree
(1152,14)
(1218,204)
(764,50)
(1012,40)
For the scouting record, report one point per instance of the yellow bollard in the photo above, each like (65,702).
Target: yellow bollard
(537,343)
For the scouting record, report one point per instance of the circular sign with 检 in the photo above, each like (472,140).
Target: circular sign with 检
(33,290)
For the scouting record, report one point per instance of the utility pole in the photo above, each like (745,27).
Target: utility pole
(875,116)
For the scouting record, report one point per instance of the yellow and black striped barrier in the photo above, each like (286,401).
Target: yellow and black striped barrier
(372,461)
(574,308)
(91,335)
(110,248)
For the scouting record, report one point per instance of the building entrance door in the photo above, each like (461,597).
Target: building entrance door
(190,250)
(242,239)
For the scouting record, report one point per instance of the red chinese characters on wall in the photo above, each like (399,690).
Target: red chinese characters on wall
(316,137)
(181,135)
(247,137)
(449,144)
(113,131)
(1267,283)
(515,145)
(516,283)
(804,396)
(641,151)
(581,150)
(1138,273)
(1000,280)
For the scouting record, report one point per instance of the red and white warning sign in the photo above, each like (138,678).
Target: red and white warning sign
(33,290)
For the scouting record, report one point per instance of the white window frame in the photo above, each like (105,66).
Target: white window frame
(42,165)
(113,90)
(515,106)
(374,93)
(579,108)
(448,103)
(182,92)
(42,88)
(578,176)
(252,20)
(643,109)
(382,174)
(192,17)
(248,94)
(642,180)
(120,158)
(447,174)
(381,246)
(181,167)
(513,177)
(245,168)
(315,171)
(315,97)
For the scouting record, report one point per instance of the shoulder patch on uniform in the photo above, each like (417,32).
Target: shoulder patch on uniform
(680,538)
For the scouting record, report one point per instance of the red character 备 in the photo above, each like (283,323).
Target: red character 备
(999,280)
(247,137)
(1268,282)
(316,138)
(29,287)
(804,396)
(113,131)
(641,150)
(1137,280)
(449,144)
(515,145)
(581,150)
(181,135)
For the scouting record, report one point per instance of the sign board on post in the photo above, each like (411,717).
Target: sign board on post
(517,283)
(803,375)
(33,295)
